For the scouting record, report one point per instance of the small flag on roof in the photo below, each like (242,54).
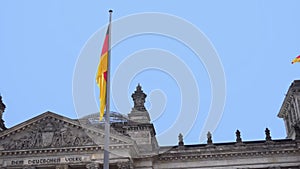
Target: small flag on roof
(297,59)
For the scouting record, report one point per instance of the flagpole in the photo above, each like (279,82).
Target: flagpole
(107,111)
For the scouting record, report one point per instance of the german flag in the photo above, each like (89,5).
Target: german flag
(101,78)
(297,59)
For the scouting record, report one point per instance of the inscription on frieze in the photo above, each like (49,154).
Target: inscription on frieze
(47,133)
(46,160)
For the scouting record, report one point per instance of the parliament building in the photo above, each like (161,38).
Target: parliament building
(52,141)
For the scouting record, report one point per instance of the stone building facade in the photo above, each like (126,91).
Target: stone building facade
(51,141)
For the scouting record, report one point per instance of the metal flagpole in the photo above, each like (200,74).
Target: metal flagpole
(107,120)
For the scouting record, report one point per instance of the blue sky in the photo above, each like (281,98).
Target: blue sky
(41,41)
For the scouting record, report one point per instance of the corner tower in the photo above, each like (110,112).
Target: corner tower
(139,126)
(290,111)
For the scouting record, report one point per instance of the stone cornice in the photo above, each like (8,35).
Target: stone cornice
(221,151)
(63,150)
(217,156)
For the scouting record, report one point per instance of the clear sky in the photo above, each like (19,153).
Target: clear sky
(41,42)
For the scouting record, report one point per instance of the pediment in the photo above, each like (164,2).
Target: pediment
(50,130)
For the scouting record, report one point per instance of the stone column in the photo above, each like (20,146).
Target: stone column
(93,166)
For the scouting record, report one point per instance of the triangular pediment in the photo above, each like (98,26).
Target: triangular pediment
(50,130)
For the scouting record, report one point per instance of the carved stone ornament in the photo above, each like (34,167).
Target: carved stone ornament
(93,166)
(49,132)
(124,165)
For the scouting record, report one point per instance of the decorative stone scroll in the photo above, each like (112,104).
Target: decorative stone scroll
(47,133)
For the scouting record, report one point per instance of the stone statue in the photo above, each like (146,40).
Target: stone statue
(209,138)
(238,136)
(180,140)
(139,98)
(2,109)
(268,135)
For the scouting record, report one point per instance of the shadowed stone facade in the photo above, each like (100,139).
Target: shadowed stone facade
(51,141)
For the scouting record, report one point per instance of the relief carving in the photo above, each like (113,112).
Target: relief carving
(124,165)
(93,166)
(48,133)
